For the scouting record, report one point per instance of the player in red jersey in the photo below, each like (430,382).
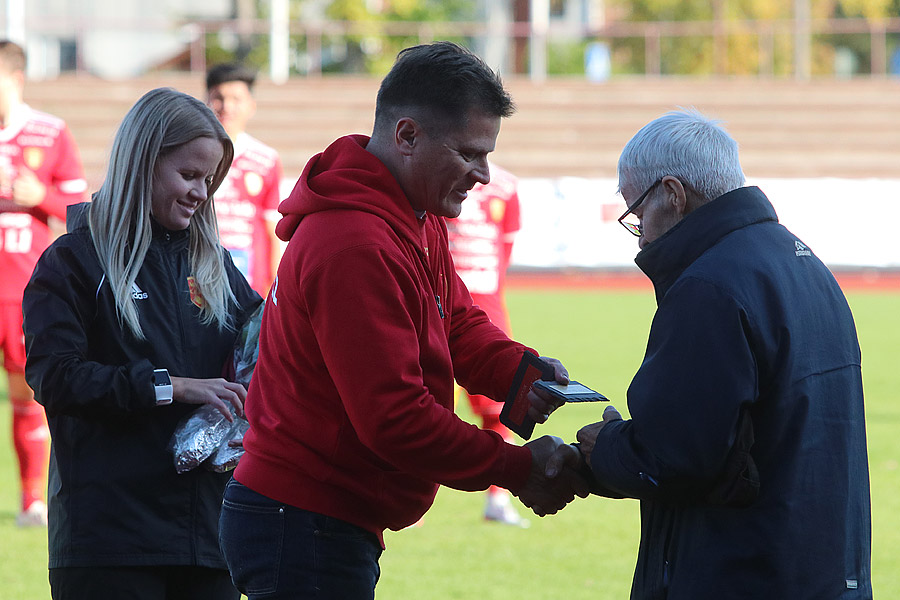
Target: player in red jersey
(481,242)
(247,202)
(40,175)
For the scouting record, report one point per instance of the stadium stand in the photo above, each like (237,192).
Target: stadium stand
(564,127)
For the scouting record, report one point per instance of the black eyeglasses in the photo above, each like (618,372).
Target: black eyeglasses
(636,228)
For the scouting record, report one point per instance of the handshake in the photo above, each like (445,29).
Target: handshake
(558,474)
(559,471)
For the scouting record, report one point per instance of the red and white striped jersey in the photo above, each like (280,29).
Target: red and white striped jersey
(246,201)
(40,143)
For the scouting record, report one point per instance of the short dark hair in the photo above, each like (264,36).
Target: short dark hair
(226,72)
(443,79)
(12,56)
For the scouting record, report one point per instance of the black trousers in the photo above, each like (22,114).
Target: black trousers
(141,583)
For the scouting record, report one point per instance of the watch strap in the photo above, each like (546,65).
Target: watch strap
(162,385)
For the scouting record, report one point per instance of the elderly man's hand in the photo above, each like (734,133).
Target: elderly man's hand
(543,403)
(548,495)
(587,435)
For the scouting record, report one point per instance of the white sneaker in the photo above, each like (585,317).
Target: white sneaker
(500,509)
(34,516)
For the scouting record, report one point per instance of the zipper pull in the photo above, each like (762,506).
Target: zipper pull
(440,308)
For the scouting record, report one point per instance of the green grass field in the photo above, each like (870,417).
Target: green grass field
(588,550)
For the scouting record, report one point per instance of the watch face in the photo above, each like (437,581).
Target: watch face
(161,377)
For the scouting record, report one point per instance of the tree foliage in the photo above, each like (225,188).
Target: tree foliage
(688,10)
(757,35)
(761,47)
(377,50)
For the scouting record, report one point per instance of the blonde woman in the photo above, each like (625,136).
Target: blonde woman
(130,320)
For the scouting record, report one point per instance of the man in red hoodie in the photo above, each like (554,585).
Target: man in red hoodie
(352,427)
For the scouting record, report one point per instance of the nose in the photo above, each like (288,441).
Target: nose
(482,171)
(200,191)
(228,105)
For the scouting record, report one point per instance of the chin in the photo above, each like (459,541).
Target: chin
(451,210)
(178,225)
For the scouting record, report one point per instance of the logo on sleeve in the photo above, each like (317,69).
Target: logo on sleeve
(801,249)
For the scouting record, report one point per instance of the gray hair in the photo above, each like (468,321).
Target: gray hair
(687,145)
(161,121)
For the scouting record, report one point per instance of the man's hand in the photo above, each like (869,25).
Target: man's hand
(211,391)
(587,435)
(27,189)
(548,495)
(542,403)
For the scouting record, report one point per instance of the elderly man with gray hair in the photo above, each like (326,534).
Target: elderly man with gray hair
(746,443)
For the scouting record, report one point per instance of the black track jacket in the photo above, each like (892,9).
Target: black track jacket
(115,498)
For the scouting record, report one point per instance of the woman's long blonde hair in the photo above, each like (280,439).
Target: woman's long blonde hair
(161,121)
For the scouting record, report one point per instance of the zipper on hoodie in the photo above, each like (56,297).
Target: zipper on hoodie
(439,283)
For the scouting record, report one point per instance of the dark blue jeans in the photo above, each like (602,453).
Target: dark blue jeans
(274,550)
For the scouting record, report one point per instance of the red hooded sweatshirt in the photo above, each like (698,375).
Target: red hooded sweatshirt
(366,326)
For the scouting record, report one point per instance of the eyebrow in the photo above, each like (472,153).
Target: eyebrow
(473,150)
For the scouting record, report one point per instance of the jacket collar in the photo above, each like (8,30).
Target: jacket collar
(77,217)
(161,233)
(665,259)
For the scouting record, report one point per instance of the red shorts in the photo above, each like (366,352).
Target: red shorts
(12,340)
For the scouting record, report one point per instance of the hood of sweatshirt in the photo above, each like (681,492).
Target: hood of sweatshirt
(347,176)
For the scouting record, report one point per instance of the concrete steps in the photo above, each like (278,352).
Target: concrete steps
(563,127)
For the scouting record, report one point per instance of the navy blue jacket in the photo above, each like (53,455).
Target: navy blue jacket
(115,498)
(746,443)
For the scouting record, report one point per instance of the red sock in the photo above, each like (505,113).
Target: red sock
(31,440)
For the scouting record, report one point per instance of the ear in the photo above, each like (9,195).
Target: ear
(675,194)
(405,133)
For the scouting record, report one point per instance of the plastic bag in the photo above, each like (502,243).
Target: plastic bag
(198,436)
(203,436)
(226,457)
(246,348)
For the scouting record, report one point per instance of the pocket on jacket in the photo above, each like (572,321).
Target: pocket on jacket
(738,484)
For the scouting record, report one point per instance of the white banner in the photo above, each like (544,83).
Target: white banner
(571,222)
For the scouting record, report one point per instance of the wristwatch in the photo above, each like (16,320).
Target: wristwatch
(162,383)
